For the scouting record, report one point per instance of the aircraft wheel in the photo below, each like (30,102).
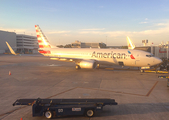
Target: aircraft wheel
(98,66)
(48,114)
(89,113)
(141,71)
(77,67)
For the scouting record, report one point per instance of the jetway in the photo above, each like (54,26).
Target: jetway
(162,52)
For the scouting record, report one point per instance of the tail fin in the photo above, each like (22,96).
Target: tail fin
(42,40)
(130,43)
(11,50)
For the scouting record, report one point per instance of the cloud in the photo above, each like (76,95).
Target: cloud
(153,32)
(161,24)
(156,33)
(93,29)
(14,30)
(143,22)
(59,32)
(146,18)
(162,30)
(109,33)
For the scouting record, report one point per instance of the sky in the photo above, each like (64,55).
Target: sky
(108,21)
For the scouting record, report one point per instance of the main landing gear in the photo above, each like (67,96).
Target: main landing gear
(77,67)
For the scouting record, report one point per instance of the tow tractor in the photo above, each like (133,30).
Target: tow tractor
(59,107)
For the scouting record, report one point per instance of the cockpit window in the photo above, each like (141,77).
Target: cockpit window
(149,55)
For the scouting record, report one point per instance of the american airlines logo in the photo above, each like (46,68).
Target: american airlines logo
(109,55)
(131,56)
(112,55)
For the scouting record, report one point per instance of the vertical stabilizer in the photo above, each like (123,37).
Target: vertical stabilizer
(11,50)
(42,40)
(130,43)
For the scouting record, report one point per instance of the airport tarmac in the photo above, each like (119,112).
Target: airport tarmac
(139,95)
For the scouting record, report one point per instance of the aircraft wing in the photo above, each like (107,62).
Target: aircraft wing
(11,50)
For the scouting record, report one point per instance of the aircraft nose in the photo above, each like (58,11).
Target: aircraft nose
(158,61)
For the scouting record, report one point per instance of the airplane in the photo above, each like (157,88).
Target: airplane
(90,58)
(130,43)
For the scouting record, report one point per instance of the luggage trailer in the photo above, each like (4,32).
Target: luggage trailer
(60,107)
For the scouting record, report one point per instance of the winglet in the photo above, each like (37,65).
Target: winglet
(11,50)
(130,43)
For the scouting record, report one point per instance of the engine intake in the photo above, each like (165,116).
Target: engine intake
(88,64)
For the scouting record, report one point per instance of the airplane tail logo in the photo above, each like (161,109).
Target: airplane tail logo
(130,43)
(42,41)
(131,56)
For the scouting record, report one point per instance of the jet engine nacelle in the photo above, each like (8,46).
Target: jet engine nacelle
(89,64)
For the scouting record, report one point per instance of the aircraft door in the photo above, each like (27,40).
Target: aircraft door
(137,59)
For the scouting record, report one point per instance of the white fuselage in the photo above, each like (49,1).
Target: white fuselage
(124,57)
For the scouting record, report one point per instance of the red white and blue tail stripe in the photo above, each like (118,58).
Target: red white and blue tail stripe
(130,43)
(42,41)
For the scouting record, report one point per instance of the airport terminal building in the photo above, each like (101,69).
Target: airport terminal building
(10,37)
(78,44)
(26,44)
(21,43)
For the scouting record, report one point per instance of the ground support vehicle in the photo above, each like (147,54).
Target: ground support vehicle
(59,107)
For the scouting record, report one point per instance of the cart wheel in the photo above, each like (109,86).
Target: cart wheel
(48,114)
(89,113)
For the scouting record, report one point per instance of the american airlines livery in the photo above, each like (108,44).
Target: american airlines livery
(91,58)
(130,43)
